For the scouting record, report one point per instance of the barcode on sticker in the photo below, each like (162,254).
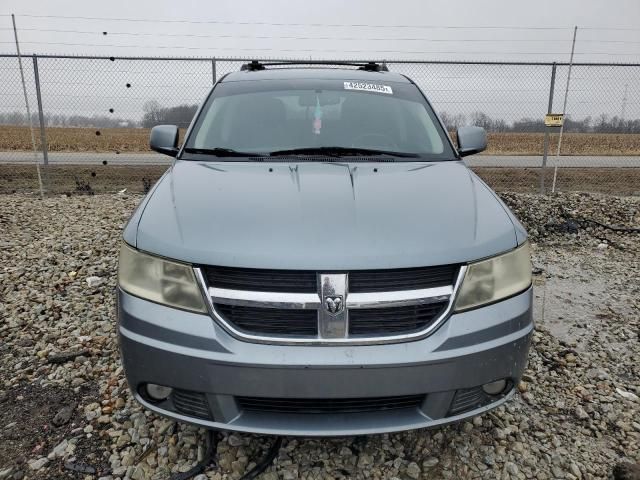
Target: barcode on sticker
(368,87)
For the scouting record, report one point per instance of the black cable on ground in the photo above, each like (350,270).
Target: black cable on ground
(263,464)
(209,459)
(614,228)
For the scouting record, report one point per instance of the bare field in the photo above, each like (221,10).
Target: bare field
(76,179)
(572,144)
(72,139)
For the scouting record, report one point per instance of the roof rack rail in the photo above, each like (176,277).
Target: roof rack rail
(256,65)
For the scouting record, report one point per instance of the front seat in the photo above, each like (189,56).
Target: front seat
(369,123)
(264,117)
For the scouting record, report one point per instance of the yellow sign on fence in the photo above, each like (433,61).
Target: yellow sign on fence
(553,119)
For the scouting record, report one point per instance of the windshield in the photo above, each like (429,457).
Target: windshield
(280,117)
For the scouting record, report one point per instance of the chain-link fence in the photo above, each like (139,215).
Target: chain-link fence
(91,116)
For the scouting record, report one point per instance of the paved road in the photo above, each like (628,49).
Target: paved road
(79,158)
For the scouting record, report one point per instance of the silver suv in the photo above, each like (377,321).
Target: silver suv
(319,261)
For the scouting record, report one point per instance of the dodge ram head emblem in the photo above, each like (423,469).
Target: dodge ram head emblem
(333,305)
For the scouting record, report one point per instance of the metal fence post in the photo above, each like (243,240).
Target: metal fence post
(543,168)
(213,70)
(43,134)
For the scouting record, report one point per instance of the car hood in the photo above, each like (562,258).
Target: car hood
(323,216)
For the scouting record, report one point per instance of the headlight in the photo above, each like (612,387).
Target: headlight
(496,278)
(159,280)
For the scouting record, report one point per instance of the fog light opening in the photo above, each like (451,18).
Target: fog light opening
(157,392)
(495,388)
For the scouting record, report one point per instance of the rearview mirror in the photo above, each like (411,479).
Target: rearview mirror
(164,139)
(324,98)
(471,140)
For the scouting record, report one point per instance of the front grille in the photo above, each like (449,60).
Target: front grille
(393,320)
(361,281)
(271,321)
(305,281)
(369,321)
(307,306)
(193,404)
(261,280)
(328,405)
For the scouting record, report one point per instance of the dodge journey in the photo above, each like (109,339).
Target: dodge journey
(319,261)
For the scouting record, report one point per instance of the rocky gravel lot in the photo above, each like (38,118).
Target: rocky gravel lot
(65,411)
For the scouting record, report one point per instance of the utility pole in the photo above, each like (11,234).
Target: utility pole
(543,169)
(26,102)
(564,109)
(623,110)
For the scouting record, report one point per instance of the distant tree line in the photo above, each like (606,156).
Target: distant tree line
(155,114)
(61,120)
(600,124)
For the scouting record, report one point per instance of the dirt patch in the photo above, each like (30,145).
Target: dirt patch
(615,181)
(35,419)
(76,179)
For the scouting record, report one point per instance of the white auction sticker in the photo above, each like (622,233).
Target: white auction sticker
(368,87)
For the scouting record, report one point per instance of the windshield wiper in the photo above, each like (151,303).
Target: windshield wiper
(220,152)
(340,152)
(328,151)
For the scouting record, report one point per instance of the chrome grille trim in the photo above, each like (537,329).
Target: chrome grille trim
(400,298)
(312,301)
(265,299)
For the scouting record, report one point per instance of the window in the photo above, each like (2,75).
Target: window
(262,116)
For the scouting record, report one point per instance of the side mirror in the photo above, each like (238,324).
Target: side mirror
(471,140)
(164,139)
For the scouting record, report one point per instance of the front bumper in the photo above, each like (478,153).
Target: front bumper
(191,353)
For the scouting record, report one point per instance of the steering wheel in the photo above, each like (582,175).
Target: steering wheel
(387,141)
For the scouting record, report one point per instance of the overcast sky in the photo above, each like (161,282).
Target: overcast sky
(510,30)
(331,28)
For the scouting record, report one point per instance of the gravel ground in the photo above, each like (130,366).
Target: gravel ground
(65,411)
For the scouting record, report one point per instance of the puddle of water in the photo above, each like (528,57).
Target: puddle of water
(572,299)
